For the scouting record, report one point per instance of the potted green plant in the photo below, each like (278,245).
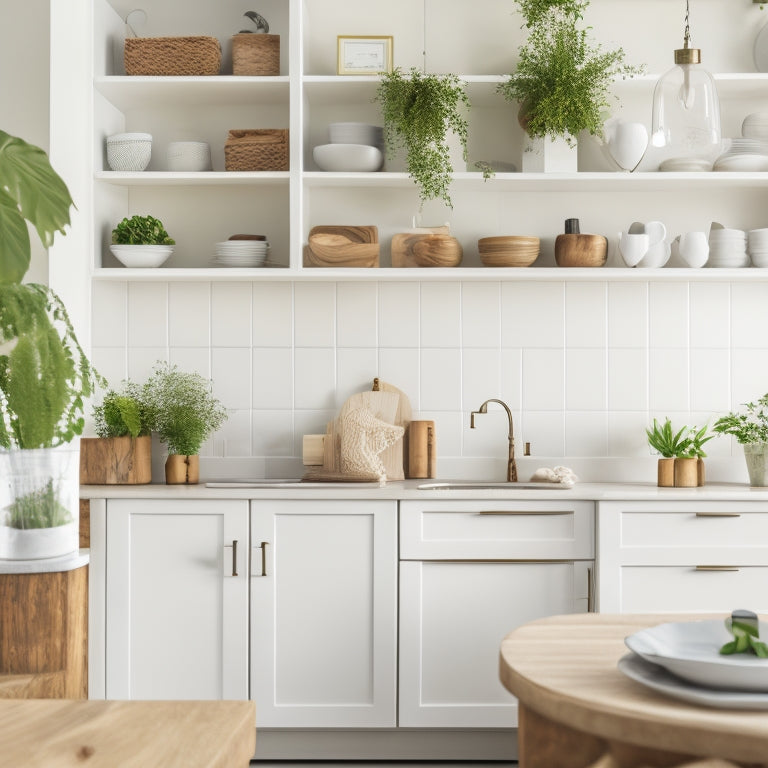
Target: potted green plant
(750,428)
(682,453)
(184,412)
(141,241)
(420,110)
(562,80)
(122,452)
(45,377)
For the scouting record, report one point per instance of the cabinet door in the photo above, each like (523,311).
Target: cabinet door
(453,617)
(177,596)
(323,613)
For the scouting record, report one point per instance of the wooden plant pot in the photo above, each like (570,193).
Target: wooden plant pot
(666,473)
(686,473)
(182,469)
(116,460)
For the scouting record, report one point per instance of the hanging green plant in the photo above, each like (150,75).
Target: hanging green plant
(419,111)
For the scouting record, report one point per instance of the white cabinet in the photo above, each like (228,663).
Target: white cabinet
(682,556)
(324,613)
(177,599)
(470,572)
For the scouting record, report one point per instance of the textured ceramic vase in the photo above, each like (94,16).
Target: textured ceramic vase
(756,455)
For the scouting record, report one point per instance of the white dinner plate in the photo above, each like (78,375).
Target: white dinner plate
(659,679)
(691,650)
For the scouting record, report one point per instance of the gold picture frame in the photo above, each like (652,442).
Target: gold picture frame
(364,54)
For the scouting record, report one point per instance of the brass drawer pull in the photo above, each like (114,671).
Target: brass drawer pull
(263,548)
(716,568)
(718,514)
(525,512)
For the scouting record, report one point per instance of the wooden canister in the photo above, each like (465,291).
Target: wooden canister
(422,453)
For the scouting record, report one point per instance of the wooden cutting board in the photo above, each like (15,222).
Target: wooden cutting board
(395,458)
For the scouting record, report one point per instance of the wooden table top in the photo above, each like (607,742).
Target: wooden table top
(564,668)
(64,733)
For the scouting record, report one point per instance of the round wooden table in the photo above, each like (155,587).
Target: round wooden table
(578,710)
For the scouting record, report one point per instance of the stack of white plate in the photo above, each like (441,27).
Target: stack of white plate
(757,246)
(743,155)
(241,253)
(755,126)
(727,247)
(356,133)
(685,164)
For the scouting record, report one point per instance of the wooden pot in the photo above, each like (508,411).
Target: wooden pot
(116,460)
(581,250)
(686,473)
(666,473)
(182,469)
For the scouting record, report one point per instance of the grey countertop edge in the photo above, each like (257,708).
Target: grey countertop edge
(408,490)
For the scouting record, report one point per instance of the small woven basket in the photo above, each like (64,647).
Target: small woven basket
(256,149)
(255,54)
(172,56)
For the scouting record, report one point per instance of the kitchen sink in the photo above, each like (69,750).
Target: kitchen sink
(480,485)
(286,483)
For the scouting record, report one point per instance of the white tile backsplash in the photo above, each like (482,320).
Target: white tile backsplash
(584,366)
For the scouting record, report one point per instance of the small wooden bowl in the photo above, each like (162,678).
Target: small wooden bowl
(411,249)
(581,250)
(508,251)
(336,250)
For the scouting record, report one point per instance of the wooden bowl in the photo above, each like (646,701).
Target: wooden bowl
(336,250)
(581,250)
(508,250)
(412,249)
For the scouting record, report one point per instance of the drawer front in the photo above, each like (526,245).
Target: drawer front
(689,589)
(496,530)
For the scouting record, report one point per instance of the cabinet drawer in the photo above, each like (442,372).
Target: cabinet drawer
(496,530)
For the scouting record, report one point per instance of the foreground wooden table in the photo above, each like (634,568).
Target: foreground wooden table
(126,734)
(578,710)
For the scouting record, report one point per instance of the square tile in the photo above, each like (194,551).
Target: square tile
(272,433)
(626,433)
(440,315)
(192,359)
(233,439)
(189,314)
(627,314)
(400,367)
(314,314)
(272,314)
(749,315)
(448,433)
(272,377)
(356,315)
(585,382)
(586,308)
(543,380)
(148,315)
(314,378)
(586,434)
(109,314)
(481,377)
(710,378)
(627,380)
(231,314)
(111,363)
(532,314)
(231,376)
(480,315)
(399,315)
(668,380)
(710,310)
(512,378)
(142,361)
(440,377)
(668,315)
(490,436)
(355,372)
(749,375)
(545,431)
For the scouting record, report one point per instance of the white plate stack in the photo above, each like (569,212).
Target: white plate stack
(743,155)
(727,247)
(241,253)
(757,246)
(357,133)
(755,126)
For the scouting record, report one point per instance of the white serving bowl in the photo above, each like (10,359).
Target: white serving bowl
(189,156)
(344,158)
(129,151)
(356,133)
(141,256)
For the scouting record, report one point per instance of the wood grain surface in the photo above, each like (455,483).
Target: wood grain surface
(115,460)
(564,670)
(128,734)
(410,249)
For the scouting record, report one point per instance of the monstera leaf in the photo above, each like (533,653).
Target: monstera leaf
(29,189)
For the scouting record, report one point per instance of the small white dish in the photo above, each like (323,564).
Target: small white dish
(685,165)
(691,650)
(141,256)
(345,158)
(744,162)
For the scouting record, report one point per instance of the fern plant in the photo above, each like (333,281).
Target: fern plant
(748,427)
(122,412)
(419,110)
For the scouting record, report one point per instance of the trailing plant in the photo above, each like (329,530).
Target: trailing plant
(419,110)
(45,376)
(122,413)
(562,80)
(141,230)
(749,426)
(686,443)
(38,509)
(181,408)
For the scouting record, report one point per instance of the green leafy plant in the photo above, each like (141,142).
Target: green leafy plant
(562,80)
(141,230)
(45,376)
(181,408)
(749,426)
(39,509)
(686,443)
(122,413)
(419,110)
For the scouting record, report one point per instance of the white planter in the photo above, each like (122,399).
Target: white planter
(547,155)
(756,455)
(39,502)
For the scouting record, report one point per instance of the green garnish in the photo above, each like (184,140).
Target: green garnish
(745,633)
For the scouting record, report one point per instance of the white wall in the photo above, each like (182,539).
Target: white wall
(24,59)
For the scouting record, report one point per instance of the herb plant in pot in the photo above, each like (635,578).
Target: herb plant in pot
(750,428)
(682,454)
(45,376)
(141,241)
(122,452)
(562,83)
(420,112)
(183,411)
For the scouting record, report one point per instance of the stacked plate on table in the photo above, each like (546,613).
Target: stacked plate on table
(743,155)
(755,126)
(727,247)
(682,659)
(241,253)
(757,247)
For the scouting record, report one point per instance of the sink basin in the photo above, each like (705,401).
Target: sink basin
(480,485)
(282,483)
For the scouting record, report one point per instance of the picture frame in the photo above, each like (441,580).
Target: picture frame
(364,54)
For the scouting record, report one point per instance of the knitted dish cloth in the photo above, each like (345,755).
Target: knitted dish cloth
(363,438)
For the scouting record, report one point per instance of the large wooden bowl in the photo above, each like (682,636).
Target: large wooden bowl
(336,250)
(581,250)
(411,249)
(508,250)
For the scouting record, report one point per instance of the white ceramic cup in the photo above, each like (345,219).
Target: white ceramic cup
(694,248)
(633,247)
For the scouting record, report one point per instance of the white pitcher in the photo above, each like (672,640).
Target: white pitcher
(694,248)
(626,142)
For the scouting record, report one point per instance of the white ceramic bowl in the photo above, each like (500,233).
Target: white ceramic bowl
(344,158)
(129,151)
(356,133)
(189,156)
(141,256)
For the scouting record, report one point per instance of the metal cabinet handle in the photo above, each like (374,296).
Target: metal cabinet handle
(233,547)
(525,512)
(590,592)
(716,568)
(718,514)
(263,548)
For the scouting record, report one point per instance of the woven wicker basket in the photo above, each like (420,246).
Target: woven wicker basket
(255,54)
(256,149)
(172,56)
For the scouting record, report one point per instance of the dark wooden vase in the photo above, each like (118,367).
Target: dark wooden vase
(182,469)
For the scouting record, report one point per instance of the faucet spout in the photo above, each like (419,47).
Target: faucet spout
(511,465)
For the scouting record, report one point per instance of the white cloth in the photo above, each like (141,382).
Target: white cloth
(363,438)
(562,475)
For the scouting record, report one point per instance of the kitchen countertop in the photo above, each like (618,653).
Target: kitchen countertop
(408,489)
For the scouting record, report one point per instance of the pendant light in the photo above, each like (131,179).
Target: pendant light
(686,110)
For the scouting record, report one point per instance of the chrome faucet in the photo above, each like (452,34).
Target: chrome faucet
(511,466)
